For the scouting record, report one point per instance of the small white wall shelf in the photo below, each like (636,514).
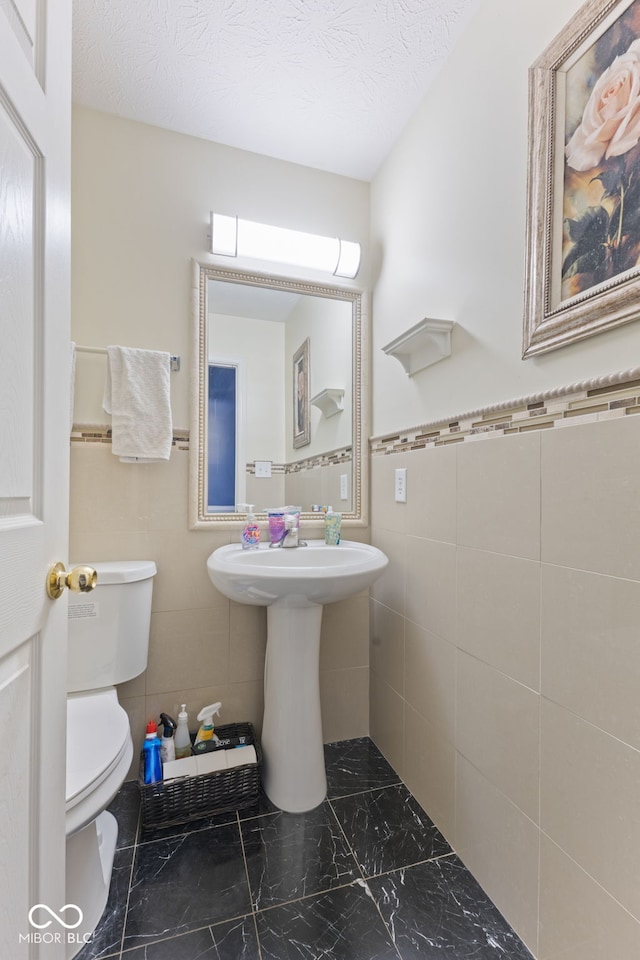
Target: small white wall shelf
(329,401)
(424,344)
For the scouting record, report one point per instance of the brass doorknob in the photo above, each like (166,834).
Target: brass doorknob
(79,579)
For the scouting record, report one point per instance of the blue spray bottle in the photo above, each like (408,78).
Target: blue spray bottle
(151,752)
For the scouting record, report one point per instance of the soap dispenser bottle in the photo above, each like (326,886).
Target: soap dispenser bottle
(151,752)
(182,738)
(251,531)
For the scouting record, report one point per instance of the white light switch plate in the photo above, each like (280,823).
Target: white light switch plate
(401,485)
(263,468)
(344,489)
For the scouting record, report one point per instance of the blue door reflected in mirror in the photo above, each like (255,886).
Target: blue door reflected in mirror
(222,438)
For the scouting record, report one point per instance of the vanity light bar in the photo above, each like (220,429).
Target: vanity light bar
(233,237)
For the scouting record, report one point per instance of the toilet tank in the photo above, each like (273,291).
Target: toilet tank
(109,627)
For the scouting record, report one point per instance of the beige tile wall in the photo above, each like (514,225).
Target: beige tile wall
(320,485)
(505,670)
(316,485)
(203,647)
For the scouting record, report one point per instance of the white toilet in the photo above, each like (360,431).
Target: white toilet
(108,644)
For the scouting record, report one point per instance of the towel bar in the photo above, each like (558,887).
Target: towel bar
(175,360)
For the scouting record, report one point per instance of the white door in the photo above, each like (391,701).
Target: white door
(35,104)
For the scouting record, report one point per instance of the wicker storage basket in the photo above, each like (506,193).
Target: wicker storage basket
(188,798)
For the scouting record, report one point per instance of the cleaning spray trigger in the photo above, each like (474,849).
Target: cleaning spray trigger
(206,715)
(168,744)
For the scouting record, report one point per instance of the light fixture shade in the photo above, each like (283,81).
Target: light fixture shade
(233,237)
(224,235)
(349,259)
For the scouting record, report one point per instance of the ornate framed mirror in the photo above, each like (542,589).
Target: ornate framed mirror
(280,402)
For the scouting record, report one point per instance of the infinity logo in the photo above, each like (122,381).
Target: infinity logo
(67,906)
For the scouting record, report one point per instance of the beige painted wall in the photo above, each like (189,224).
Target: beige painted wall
(448,226)
(140,206)
(141,202)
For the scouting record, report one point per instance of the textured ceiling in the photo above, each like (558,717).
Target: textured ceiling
(324,83)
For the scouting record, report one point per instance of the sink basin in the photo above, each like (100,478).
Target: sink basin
(317,573)
(294,583)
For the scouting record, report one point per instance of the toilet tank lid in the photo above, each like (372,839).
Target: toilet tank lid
(122,571)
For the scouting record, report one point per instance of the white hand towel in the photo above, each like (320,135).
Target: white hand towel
(137,395)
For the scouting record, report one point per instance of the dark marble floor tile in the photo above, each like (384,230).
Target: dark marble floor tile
(125,807)
(388,829)
(234,940)
(293,855)
(184,883)
(198,945)
(107,937)
(341,924)
(356,765)
(437,910)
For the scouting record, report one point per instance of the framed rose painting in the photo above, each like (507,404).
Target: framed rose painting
(583,213)
(301,416)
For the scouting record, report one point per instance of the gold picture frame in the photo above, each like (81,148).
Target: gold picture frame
(582,273)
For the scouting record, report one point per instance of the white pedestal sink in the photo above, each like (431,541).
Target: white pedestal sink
(294,583)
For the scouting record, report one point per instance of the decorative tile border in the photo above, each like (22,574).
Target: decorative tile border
(329,459)
(277,469)
(92,433)
(604,398)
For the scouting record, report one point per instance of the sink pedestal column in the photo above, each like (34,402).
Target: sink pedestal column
(294,776)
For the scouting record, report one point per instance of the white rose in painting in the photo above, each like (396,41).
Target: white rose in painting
(611,120)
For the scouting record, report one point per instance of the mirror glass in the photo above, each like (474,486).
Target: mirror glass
(277,397)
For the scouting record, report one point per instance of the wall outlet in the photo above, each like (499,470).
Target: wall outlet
(344,486)
(263,468)
(401,485)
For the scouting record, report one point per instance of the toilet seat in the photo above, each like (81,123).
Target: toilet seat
(99,754)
